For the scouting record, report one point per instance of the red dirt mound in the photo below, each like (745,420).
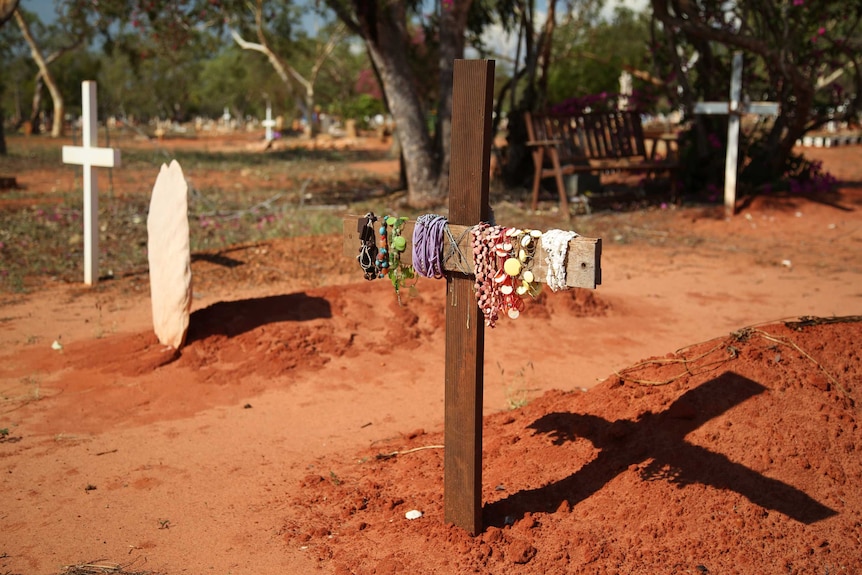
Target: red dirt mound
(739,455)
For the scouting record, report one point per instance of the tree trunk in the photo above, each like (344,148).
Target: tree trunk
(386,37)
(36,105)
(7,7)
(2,135)
(453,23)
(56,96)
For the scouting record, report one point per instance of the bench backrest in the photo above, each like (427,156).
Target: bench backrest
(597,135)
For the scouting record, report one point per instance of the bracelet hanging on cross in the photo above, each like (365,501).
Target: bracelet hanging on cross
(583,267)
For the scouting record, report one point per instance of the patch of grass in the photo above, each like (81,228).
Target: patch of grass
(517,392)
(41,238)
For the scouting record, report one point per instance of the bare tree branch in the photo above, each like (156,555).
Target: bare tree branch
(56,96)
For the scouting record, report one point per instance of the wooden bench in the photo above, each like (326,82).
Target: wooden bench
(570,144)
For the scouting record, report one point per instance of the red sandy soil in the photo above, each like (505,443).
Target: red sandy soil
(304,416)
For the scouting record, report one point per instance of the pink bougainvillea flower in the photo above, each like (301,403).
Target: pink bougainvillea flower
(798,2)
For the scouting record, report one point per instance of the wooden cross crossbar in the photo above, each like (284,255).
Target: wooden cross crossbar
(583,264)
(469,177)
(90,156)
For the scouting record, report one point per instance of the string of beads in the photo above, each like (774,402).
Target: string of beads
(488,294)
(502,259)
(382,249)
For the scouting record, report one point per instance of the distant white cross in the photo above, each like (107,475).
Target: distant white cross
(90,156)
(625,90)
(736,107)
(269,123)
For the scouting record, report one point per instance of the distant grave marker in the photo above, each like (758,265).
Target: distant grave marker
(169,256)
(268,123)
(90,157)
(736,107)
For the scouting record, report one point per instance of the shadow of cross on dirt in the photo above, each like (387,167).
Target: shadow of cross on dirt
(659,438)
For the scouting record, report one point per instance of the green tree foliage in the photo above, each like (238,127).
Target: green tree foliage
(176,59)
(589,59)
(804,54)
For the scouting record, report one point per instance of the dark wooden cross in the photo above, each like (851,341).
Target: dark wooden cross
(469,176)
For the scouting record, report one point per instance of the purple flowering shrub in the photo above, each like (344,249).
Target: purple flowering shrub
(603,102)
(703,177)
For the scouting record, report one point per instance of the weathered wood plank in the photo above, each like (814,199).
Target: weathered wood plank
(469,177)
(583,266)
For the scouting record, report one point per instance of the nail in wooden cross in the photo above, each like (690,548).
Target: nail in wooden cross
(735,108)
(472,105)
(90,156)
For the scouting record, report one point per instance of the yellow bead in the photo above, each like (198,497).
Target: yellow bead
(512,267)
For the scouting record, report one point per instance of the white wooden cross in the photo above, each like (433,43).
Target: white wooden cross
(736,107)
(269,123)
(90,156)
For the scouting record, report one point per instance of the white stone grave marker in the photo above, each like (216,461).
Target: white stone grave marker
(736,107)
(169,256)
(90,156)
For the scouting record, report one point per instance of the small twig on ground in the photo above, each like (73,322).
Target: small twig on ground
(787,342)
(94,568)
(100,568)
(682,360)
(406,451)
(739,336)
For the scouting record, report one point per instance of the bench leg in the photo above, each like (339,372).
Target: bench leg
(561,187)
(538,159)
(673,187)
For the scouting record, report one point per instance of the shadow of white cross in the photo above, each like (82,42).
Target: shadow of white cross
(659,440)
(90,156)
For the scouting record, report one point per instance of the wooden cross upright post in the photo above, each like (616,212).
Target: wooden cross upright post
(90,156)
(469,176)
(736,107)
